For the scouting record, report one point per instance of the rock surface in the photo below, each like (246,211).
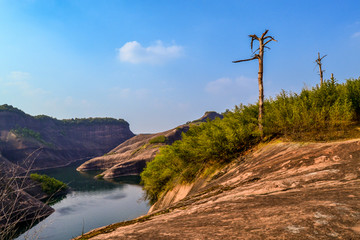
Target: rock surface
(130,157)
(280,191)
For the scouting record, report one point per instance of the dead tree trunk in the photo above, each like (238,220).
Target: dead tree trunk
(318,61)
(259,54)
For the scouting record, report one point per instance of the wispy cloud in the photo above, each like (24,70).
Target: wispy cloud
(218,86)
(134,52)
(356,35)
(20,81)
(228,86)
(17,75)
(129,94)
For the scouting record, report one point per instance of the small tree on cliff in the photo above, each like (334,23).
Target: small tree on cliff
(319,63)
(259,54)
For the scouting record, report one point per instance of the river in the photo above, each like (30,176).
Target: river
(90,204)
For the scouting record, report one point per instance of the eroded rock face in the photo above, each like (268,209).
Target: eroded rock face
(281,191)
(47,142)
(130,157)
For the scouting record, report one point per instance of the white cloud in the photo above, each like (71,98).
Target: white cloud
(134,52)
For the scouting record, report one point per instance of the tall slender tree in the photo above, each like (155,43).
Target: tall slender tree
(318,61)
(259,54)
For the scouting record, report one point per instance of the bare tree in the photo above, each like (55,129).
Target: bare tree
(259,54)
(318,61)
(16,204)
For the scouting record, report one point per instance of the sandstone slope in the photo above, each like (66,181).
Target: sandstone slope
(130,157)
(280,191)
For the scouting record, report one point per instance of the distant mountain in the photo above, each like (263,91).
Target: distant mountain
(131,156)
(46,142)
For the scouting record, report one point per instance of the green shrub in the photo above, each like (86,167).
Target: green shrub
(10,108)
(320,111)
(91,121)
(109,153)
(48,184)
(99,176)
(27,133)
(158,139)
(353,93)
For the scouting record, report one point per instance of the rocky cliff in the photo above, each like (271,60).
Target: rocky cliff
(277,191)
(46,142)
(130,157)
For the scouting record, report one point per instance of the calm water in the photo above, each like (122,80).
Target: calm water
(91,204)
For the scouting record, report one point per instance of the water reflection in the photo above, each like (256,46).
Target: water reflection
(91,203)
(85,181)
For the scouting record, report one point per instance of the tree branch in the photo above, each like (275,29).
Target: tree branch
(263,35)
(272,39)
(245,60)
(254,36)
(267,37)
(323,57)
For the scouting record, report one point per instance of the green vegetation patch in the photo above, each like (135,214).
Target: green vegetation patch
(99,176)
(91,121)
(109,153)
(323,112)
(158,139)
(28,133)
(45,117)
(9,108)
(49,185)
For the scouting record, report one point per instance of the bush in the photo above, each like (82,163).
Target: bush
(319,111)
(28,133)
(322,109)
(49,185)
(213,142)
(158,139)
(92,121)
(353,93)
(10,108)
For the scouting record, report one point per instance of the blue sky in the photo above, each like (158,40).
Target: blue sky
(159,64)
